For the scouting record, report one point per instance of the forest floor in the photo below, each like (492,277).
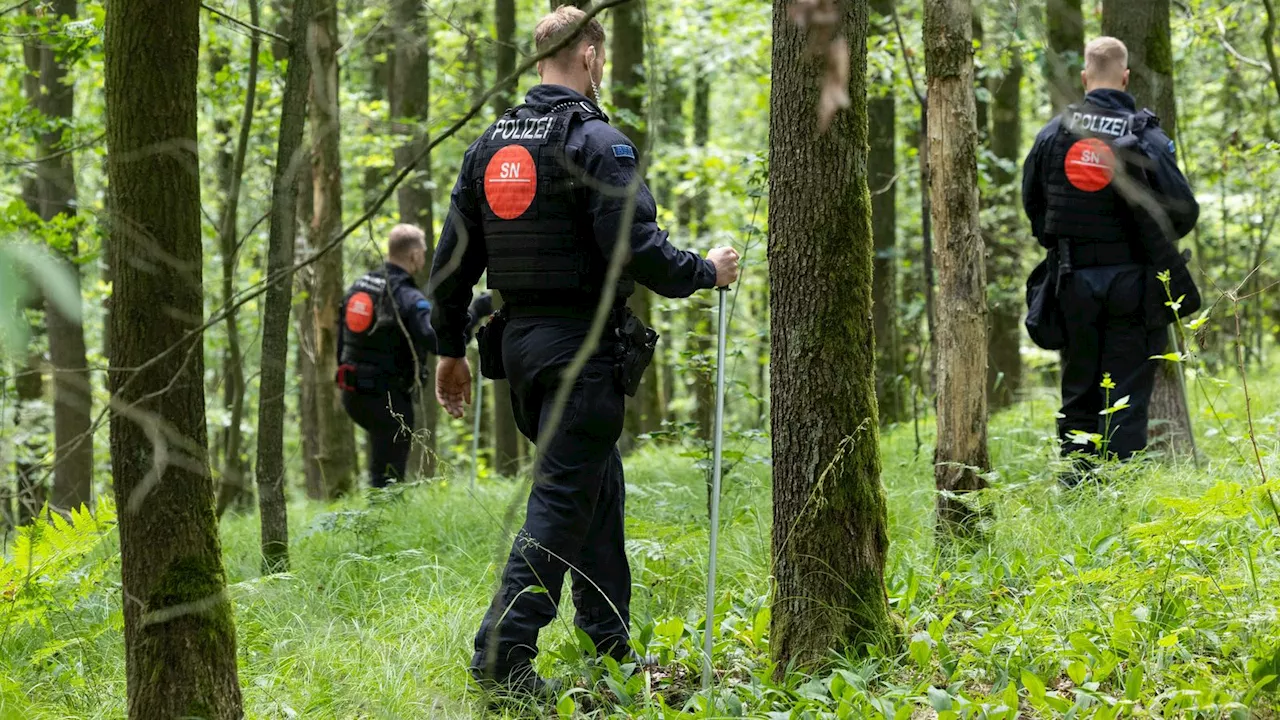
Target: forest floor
(1154,594)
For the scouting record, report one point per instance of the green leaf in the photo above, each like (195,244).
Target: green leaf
(1077,672)
(1133,683)
(670,631)
(1033,684)
(566,707)
(940,699)
(921,649)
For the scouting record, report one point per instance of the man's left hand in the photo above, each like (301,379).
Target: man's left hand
(453,385)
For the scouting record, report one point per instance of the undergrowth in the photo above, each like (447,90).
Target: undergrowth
(1151,594)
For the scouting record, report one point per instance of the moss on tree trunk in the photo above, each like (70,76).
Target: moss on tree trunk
(830,530)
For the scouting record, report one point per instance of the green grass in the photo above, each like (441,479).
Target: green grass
(1168,605)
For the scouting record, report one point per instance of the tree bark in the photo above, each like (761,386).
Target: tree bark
(882,164)
(304,365)
(830,528)
(410,95)
(504,20)
(701,333)
(235,488)
(961,451)
(644,411)
(180,643)
(1143,26)
(275,318)
(1004,338)
(57,198)
(1064,26)
(337,448)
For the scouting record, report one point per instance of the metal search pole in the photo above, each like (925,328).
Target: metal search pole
(478,408)
(715,501)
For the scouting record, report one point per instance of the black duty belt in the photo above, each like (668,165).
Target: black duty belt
(1091,253)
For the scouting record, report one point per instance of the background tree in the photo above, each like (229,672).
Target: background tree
(829,539)
(882,164)
(410,95)
(335,435)
(961,452)
(1006,238)
(1143,26)
(180,648)
(289,159)
(1064,33)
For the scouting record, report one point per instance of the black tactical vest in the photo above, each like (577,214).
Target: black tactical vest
(371,332)
(539,238)
(1083,202)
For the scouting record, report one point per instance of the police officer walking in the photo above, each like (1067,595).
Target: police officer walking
(1102,189)
(540,203)
(384,337)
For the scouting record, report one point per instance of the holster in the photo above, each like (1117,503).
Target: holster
(634,346)
(489,344)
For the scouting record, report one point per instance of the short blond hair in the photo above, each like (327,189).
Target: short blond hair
(1106,58)
(559,23)
(405,239)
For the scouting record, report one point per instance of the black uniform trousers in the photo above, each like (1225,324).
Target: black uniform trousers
(388,419)
(575,511)
(1106,325)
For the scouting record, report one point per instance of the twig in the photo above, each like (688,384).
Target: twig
(243,24)
(902,47)
(14,8)
(56,155)
(1222,37)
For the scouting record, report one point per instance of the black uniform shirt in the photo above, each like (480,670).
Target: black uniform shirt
(601,151)
(1166,181)
(415,314)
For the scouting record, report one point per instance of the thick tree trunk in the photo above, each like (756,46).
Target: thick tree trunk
(304,362)
(1064,26)
(504,20)
(1004,268)
(882,167)
(830,528)
(410,94)
(1143,26)
(961,451)
(337,451)
(644,411)
(180,643)
(290,157)
(235,489)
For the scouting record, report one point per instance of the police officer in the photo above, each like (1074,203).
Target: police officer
(1102,189)
(384,337)
(541,202)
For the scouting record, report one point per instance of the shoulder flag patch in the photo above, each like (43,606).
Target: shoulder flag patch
(1173,148)
(624,151)
(423,304)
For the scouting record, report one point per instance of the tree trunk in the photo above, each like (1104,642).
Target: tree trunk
(73,436)
(882,167)
(504,20)
(337,448)
(1004,268)
(961,452)
(235,489)
(982,105)
(1064,26)
(180,643)
(1143,26)
(290,158)
(410,95)
(701,333)
(627,80)
(830,528)
(304,364)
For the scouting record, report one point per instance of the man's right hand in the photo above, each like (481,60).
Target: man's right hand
(453,384)
(726,261)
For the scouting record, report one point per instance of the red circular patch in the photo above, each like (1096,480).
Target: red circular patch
(359,314)
(510,182)
(1090,165)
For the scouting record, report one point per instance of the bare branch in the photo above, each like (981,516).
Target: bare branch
(247,26)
